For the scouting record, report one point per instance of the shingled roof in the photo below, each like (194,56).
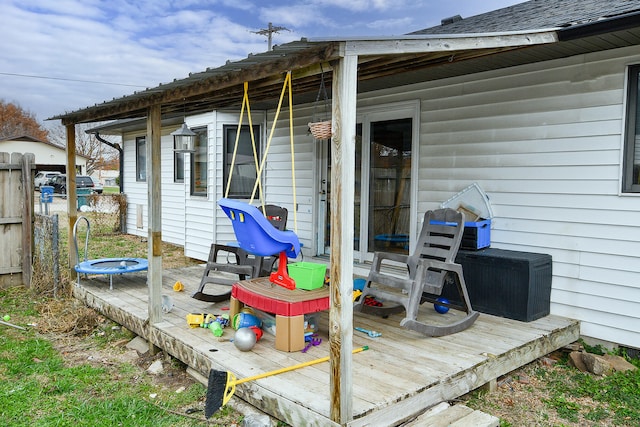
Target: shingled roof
(536,14)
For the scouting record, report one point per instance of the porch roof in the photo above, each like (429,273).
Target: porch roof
(382,63)
(380,59)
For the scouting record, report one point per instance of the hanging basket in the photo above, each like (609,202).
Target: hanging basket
(320,130)
(320,124)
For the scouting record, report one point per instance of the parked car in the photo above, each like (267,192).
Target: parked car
(97,185)
(43,178)
(59,183)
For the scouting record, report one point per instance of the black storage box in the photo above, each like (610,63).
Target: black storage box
(511,284)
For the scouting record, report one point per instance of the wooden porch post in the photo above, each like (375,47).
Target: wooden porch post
(72,206)
(344,91)
(154,250)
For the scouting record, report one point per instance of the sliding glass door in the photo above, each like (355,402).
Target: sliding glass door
(386,141)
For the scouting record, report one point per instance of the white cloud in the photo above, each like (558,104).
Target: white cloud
(73,45)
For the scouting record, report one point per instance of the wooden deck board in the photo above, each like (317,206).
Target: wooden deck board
(401,375)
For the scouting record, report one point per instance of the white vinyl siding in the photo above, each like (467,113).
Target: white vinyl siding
(279,183)
(173,208)
(544,141)
(200,210)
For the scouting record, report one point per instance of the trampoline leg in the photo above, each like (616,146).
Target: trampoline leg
(110,282)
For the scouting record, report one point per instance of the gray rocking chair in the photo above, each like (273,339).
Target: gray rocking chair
(430,267)
(243,265)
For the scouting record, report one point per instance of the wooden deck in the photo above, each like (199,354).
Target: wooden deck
(400,376)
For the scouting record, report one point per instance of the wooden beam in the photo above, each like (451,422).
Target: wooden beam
(154,212)
(344,94)
(423,43)
(72,197)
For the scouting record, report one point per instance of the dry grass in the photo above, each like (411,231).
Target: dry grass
(67,316)
(549,392)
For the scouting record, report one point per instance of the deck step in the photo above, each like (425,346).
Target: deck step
(445,415)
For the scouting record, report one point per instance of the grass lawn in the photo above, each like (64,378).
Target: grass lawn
(110,189)
(57,373)
(71,366)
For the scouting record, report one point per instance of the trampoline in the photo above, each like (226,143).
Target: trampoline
(106,266)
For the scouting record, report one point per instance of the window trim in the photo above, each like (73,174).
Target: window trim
(177,167)
(630,133)
(226,144)
(141,164)
(199,131)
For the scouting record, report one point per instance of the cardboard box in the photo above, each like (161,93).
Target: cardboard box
(290,333)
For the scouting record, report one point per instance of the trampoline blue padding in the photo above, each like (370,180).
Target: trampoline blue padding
(112,265)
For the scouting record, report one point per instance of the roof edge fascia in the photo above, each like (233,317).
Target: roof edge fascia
(424,43)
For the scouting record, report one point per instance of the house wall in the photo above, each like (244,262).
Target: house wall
(545,143)
(199,211)
(280,181)
(45,154)
(173,199)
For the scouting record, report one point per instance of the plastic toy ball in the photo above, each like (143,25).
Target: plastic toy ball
(256,331)
(244,320)
(441,308)
(244,339)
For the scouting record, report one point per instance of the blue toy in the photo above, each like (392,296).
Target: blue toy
(245,320)
(441,308)
(256,235)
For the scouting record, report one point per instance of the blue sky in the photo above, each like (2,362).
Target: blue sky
(62,55)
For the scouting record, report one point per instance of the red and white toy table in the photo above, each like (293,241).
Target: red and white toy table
(288,305)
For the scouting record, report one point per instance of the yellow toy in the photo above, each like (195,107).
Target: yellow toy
(178,286)
(199,320)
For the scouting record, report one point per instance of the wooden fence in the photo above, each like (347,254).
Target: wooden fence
(16,218)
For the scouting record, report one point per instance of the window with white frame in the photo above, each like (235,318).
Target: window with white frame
(199,163)
(141,158)
(244,172)
(631,164)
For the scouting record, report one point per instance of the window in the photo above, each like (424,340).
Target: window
(141,158)
(243,176)
(631,168)
(199,163)
(178,167)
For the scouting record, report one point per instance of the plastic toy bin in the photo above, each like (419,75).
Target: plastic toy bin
(477,209)
(476,235)
(308,275)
